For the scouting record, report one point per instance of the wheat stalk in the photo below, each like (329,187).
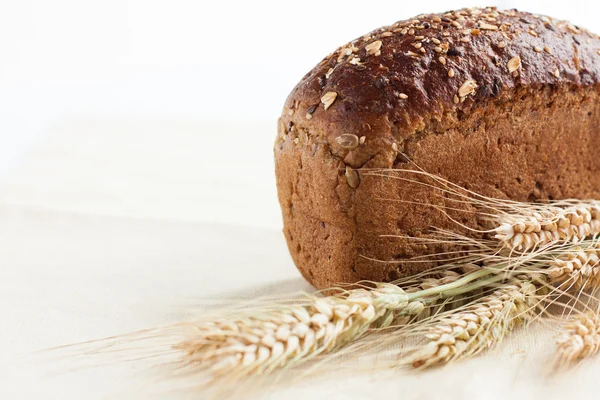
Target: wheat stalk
(580,338)
(548,225)
(477,327)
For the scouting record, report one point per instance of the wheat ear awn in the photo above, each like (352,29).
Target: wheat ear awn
(478,326)
(580,338)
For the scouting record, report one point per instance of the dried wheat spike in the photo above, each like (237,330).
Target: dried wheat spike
(478,326)
(581,337)
(271,339)
(580,267)
(553,225)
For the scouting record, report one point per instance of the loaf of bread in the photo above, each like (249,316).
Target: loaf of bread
(504,103)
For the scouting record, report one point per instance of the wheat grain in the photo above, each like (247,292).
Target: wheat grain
(581,337)
(295,333)
(478,326)
(549,225)
(578,266)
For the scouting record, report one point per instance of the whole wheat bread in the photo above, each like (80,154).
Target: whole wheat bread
(505,103)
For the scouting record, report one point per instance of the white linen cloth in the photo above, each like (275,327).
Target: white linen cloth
(115,225)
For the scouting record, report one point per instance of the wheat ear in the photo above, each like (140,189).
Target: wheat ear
(295,333)
(477,327)
(580,266)
(549,225)
(580,338)
(264,339)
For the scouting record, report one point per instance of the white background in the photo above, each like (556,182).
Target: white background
(210,64)
(136,180)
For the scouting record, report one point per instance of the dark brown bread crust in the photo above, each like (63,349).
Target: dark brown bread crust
(505,103)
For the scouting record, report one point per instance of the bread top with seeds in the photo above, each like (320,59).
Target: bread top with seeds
(394,81)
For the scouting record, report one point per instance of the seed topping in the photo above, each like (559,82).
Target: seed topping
(374,49)
(328,99)
(514,64)
(467,88)
(310,111)
(487,27)
(348,141)
(352,177)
